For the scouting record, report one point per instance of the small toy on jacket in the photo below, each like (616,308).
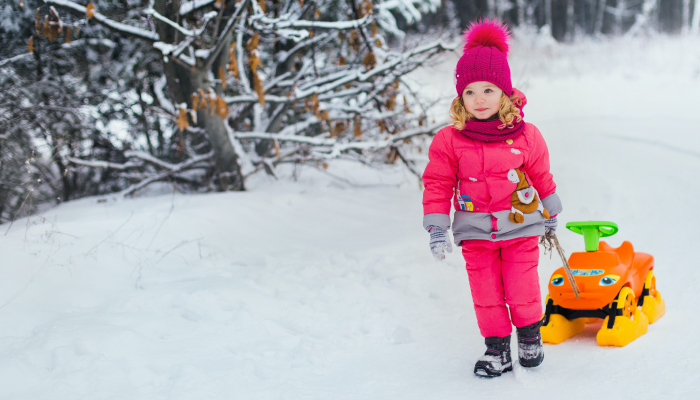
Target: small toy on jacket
(616,284)
(525,199)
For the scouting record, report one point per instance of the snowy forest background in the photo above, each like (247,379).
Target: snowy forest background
(109,96)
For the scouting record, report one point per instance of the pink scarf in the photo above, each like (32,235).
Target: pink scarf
(487,131)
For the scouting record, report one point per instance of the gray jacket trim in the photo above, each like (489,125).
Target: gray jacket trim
(441,220)
(553,204)
(473,225)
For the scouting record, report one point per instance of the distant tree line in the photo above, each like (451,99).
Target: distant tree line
(568,19)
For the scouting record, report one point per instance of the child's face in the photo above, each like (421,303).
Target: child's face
(482,99)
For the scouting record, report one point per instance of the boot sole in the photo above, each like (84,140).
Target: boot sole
(485,373)
(531,365)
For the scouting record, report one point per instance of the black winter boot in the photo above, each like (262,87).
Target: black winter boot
(496,360)
(530,350)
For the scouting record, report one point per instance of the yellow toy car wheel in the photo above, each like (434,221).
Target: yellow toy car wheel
(653,305)
(629,323)
(626,302)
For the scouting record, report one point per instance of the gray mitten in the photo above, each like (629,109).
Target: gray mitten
(550,225)
(439,242)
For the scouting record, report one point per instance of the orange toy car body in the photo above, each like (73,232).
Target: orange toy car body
(614,284)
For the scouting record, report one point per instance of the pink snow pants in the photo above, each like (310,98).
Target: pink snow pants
(500,273)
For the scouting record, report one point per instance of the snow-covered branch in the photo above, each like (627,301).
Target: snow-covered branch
(104,164)
(336,149)
(192,5)
(286,21)
(321,85)
(125,29)
(333,147)
(187,32)
(176,168)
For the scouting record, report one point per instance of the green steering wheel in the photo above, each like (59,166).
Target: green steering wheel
(592,231)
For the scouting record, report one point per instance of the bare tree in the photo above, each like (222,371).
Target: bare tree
(275,81)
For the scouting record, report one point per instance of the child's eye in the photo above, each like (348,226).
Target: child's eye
(488,91)
(469,92)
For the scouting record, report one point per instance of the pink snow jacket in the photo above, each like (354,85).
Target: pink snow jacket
(477,172)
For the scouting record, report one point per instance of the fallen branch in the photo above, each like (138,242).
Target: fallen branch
(177,168)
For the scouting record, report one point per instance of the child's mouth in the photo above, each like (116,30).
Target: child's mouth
(481,109)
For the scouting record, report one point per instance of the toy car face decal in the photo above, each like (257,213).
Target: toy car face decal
(557,280)
(587,272)
(608,280)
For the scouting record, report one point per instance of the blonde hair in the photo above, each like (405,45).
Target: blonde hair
(507,112)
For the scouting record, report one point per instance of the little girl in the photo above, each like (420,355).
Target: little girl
(494,168)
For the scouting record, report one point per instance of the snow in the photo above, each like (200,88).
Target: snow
(321,284)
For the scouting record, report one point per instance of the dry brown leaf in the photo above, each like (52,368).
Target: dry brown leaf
(219,3)
(195,101)
(277,148)
(68,38)
(258,87)
(318,13)
(21,5)
(357,126)
(369,61)
(222,77)
(30,44)
(181,147)
(233,62)
(390,103)
(354,40)
(342,61)
(261,3)
(254,62)
(382,126)
(202,100)
(324,115)
(182,121)
(253,42)
(314,104)
(338,129)
(301,3)
(90,10)
(405,106)
(374,28)
(378,43)
(45,27)
(311,34)
(221,108)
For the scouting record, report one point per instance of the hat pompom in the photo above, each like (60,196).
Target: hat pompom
(489,33)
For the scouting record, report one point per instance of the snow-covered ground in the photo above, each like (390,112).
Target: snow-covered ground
(324,288)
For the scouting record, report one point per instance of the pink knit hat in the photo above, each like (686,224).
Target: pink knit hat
(484,58)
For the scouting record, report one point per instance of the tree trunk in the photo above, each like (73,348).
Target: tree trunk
(548,13)
(521,12)
(598,28)
(570,22)
(182,82)
(695,26)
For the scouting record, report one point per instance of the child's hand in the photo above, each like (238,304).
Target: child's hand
(439,242)
(550,225)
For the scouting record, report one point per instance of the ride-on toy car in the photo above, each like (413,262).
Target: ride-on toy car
(614,284)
